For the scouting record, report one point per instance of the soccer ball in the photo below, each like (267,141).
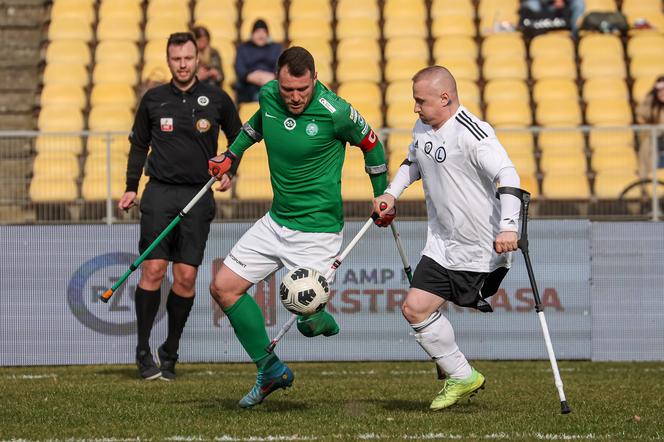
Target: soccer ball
(304,291)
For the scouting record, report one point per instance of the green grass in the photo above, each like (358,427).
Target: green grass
(332,401)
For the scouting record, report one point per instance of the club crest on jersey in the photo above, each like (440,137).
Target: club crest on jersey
(440,154)
(166,124)
(428,146)
(311,129)
(203,100)
(203,125)
(289,123)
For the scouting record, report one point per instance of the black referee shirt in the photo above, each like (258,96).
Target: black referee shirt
(182,129)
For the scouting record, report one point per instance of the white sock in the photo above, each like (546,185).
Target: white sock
(436,336)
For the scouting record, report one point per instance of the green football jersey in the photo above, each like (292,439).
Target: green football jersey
(306,153)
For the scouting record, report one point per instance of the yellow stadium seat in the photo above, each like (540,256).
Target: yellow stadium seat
(509,113)
(118,28)
(357,70)
(114,73)
(561,142)
(414,192)
(360,91)
(563,185)
(403,68)
(610,184)
(117,51)
(399,92)
(552,162)
(605,46)
(400,116)
(552,45)
(461,68)
(63,95)
(371,112)
(523,163)
(99,145)
(554,89)
(553,67)
(220,27)
(128,10)
(646,44)
(452,7)
(529,184)
(314,28)
(110,118)
(310,9)
(56,165)
(247,110)
(516,142)
(468,91)
(474,108)
(96,189)
(253,189)
(448,25)
(605,87)
(356,188)
(406,47)
(324,71)
(455,46)
(397,143)
(66,74)
(60,119)
(162,27)
(504,45)
(609,112)
(506,89)
(216,8)
(405,27)
(641,87)
(155,50)
(593,67)
(615,162)
(77,10)
(497,68)
(319,48)
(405,8)
(58,144)
(646,66)
(642,8)
(357,28)
(113,94)
(504,22)
(354,165)
(68,51)
(45,190)
(364,48)
(168,9)
(364,9)
(558,113)
(600,5)
(69,29)
(599,139)
(494,8)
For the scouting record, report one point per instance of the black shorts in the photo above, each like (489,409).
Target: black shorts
(463,288)
(160,204)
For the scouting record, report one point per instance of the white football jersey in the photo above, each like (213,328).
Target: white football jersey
(459,164)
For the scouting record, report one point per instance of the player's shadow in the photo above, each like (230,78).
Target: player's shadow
(231,404)
(122,372)
(405,405)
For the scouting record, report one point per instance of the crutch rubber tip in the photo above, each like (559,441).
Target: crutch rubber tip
(107,295)
(564,407)
(270,348)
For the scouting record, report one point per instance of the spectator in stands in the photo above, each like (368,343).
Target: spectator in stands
(210,70)
(651,111)
(255,62)
(156,77)
(178,123)
(573,9)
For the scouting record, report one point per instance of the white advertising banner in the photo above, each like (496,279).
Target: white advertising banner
(53,275)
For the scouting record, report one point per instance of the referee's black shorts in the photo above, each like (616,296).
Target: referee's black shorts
(160,204)
(464,288)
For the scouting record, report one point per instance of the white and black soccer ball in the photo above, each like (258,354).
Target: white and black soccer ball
(304,291)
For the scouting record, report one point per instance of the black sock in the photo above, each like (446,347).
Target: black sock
(147,305)
(178,309)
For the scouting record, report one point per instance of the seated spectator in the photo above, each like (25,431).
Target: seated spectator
(570,9)
(255,62)
(156,77)
(209,61)
(651,111)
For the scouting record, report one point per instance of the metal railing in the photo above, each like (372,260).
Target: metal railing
(47,179)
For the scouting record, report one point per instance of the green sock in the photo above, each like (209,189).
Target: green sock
(320,323)
(249,324)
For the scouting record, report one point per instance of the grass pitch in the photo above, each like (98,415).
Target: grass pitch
(332,401)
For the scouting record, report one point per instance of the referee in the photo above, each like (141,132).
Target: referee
(179,124)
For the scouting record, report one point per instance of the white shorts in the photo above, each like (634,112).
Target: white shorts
(266,247)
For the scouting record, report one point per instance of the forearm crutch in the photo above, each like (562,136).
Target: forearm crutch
(524,197)
(402,253)
(108,293)
(328,275)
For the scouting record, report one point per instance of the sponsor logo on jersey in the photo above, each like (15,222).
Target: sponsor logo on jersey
(203,125)
(166,124)
(353,114)
(326,104)
(290,123)
(203,100)
(311,129)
